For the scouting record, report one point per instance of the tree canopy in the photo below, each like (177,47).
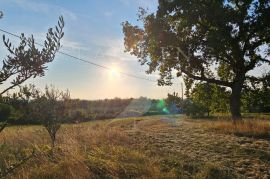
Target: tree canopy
(217,42)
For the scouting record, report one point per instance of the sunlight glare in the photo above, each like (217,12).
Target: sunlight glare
(114,72)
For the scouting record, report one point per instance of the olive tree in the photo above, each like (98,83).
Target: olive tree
(216,42)
(50,108)
(27,60)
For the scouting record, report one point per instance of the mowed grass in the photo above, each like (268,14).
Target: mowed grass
(143,147)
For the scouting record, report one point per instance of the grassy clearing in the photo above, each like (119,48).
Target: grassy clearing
(144,147)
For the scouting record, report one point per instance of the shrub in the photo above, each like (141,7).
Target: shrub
(5,115)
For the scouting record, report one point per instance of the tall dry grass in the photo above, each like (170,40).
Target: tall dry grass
(110,149)
(82,151)
(249,127)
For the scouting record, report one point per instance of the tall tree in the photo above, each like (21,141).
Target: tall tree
(191,36)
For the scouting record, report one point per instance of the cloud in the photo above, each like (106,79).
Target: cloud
(44,8)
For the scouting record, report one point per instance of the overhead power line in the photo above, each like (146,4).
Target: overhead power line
(85,61)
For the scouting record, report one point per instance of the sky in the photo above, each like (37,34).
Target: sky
(93,32)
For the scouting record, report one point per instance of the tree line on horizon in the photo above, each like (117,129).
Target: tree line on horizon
(202,100)
(23,103)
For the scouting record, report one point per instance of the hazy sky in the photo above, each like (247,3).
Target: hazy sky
(93,31)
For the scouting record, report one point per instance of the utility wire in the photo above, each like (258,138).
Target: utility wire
(83,60)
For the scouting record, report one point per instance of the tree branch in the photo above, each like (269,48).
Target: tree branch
(209,80)
(266,61)
(257,79)
(254,61)
(15,84)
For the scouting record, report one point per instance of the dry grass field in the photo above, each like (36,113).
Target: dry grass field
(144,147)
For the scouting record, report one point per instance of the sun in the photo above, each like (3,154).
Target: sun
(114,72)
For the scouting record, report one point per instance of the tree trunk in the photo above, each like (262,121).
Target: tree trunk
(53,137)
(235,101)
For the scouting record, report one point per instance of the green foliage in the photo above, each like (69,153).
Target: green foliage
(207,98)
(191,26)
(256,95)
(5,114)
(201,95)
(192,36)
(24,102)
(20,101)
(224,72)
(174,103)
(26,60)
(256,101)
(211,97)
(193,109)
(220,99)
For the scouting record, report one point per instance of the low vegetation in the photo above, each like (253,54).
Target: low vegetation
(249,128)
(143,147)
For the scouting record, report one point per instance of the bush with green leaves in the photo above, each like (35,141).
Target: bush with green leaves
(5,115)
(174,103)
(191,108)
(210,97)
